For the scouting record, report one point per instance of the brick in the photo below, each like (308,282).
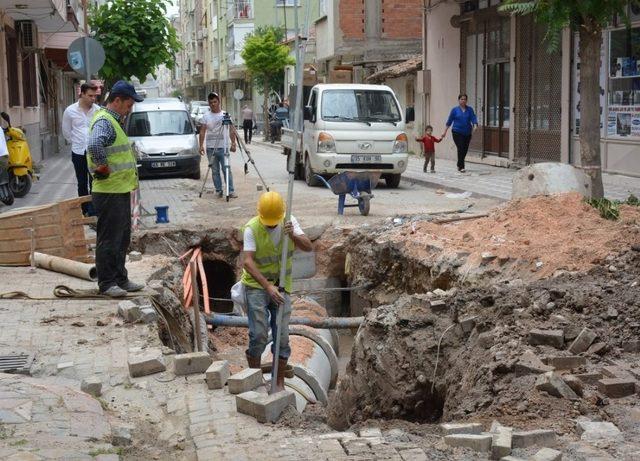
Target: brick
(553,338)
(540,437)
(191,363)
(264,407)
(92,386)
(553,384)
(547,454)
(566,362)
(465,428)
(217,374)
(591,431)
(585,338)
(501,442)
(476,442)
(146,364)
(617,387)
(529,363)
(246,380)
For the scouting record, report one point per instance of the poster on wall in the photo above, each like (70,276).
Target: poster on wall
(623,121)
(576,87)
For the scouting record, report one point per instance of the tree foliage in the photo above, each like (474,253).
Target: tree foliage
(136,36)
(266,57)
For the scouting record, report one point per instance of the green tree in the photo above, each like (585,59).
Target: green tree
(136,36)
(266,57)
(588,18)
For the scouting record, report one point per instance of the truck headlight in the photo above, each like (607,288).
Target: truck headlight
(401,144)
(326,143)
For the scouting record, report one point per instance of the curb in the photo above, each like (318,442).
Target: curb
(411,179)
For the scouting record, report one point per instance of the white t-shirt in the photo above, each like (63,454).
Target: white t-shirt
(250,241)
(214,138)
(75,126)
(3,144)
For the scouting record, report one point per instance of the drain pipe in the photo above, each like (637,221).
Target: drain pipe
(326,322)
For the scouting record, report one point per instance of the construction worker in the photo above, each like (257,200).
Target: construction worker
(260,277)
(115,175)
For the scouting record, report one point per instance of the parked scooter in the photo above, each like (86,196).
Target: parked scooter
(20,162)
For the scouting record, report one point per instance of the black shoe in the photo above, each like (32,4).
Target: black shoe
(219,194)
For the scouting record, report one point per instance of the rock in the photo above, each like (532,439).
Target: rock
(598,349)
(571,331)
(574,383)
(501,442)
(129,311)
(485,340)
(476,442)
(547,454)
(92,385)
(566,362)
(148,314)
(589,378)
(81,341)
(191,363)
(121,435)
(370,432)
(146,363)
(554,338)
(156,286)
(616,388)
(468,324)
(529,363)
(591,431)
(102,323)
(631,346)
(315,232)
(583,341)
(540,437)
(463,428)
(438,305)
(217,374)
(553,384)
(487,257)
(135,256)
(611,313)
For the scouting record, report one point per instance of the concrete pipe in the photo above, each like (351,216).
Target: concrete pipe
(326,323)
(65,266)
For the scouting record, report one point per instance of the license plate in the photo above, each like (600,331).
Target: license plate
(163,164)
(360,158)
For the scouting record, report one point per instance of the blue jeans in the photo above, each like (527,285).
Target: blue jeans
(259,307)
(216,162)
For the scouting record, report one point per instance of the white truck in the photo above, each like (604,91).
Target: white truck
(351,127)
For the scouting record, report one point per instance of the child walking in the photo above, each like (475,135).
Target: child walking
(429,148)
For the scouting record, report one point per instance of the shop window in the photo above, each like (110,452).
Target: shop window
(623,115)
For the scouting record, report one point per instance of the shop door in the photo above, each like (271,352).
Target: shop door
(496,132)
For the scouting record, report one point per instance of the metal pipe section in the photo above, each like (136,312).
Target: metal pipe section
(324,323)
(65,266)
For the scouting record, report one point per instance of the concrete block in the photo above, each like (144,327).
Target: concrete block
(574,383)
(585,338)
(529,363)
(245,380)
(468,324)
(591,431)
(129,311)
(191,363)
(616,371)
(547,454)
(217,374)
(549,178)
(501,442)
(464,428)
(566,362)
(539,437)
(92,386)
(145,364)
(264,407)
(553,384)
(148,314)
(617,387)
(589,378)
(553,338)
(476,442)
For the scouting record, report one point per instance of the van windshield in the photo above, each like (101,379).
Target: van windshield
(159,123)
(360,105)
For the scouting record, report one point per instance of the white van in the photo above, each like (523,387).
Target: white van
(351,127)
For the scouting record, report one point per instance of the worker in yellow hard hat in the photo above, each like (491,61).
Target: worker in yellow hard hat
(260,277)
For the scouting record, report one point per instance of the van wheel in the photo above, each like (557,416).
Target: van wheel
(392,181)
(309,175)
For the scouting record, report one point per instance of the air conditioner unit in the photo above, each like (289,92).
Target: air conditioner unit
(27,35)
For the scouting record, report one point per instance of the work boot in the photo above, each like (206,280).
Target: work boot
(288,370)
(282,365)
(254,362)
(114,292)
(131,286)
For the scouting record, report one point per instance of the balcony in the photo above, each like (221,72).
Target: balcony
(48,15)
(240,9)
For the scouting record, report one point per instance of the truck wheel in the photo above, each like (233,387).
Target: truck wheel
(196,174)
(309,175)
(392,181)
(364,204)
(298,173)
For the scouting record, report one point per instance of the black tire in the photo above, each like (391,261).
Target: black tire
(309,175)
(364,203)
(20,185)
(298,173)
(392,181)
(196,174)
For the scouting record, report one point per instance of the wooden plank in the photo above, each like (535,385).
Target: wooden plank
(19,222)
(25,245)
(25,234)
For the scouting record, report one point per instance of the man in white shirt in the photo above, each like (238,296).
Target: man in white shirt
(213,132)
(75,129)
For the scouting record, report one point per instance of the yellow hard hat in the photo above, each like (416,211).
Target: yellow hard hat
(271,208)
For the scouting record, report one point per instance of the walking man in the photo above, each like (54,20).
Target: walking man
(213,132)
(115,175)
(75,129)
(262,252)
(247,123)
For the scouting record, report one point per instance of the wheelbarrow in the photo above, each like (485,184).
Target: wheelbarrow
(357,183)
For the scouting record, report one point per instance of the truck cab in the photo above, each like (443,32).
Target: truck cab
(351,127)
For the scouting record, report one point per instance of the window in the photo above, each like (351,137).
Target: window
(287,2)
(29,80)
(359,105)
(160,123)
(11,43)
(623,115)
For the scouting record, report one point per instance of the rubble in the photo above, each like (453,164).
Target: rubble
(583,341)
(591,431)
(554,338)
(553,384)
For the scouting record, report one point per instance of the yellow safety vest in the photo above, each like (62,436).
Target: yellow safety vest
(267,257)
(120,159)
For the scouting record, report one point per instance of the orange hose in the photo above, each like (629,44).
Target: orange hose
(205,287)
(187,279)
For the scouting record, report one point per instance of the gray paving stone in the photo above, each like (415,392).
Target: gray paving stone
(540,437)
(461,428)
(245,380)
(547,454)
(191,363)
(582,342)
(413,454)
(217,374)
(591,431)
(476,442)
(501,442)
(146,363)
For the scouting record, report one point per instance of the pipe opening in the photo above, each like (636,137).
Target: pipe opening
(220,277)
